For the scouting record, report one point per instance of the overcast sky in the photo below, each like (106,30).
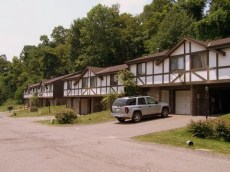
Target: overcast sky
(24,21)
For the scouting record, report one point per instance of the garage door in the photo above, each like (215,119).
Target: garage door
(183,102)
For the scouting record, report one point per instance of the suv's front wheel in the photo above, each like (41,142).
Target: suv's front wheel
(136,116)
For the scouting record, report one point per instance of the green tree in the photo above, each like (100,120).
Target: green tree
(217,22)
(126,78)
(175,26)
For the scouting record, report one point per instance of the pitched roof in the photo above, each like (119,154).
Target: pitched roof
(112,69)
(148,57)
(219,42)
(95,69)
(57,78)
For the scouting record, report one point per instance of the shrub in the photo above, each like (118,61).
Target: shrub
(33,109)
(222,131)
(203,129)
(210,129)
(10,108)
(66,116)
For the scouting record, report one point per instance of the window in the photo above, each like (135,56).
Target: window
(151,100)
(131,101)
(140,69)
(84,82)
(177,63)
(199,61)
(93,82)
(141,101)
(69,85)
(113,80)
(50,87)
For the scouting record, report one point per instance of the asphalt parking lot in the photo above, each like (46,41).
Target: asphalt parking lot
(27,146)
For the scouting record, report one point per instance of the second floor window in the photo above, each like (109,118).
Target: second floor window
(113,80)
(177,63)
(93,82)
(140,69)
(199,61)
(84,82)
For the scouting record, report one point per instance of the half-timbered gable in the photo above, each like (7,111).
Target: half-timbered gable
(85,91)
(186,74)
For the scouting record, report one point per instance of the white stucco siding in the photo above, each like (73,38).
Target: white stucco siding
(196,47)
(149,68)
(212,74)
(93,91)
(91,73)
(203,74)
(133,69)
(166,65)
(224,60)
(103,90)
(98,82)
(187,77)
(212,59)
(178,51)
(103,81)
(166,79)
(187,62)
(65,85)
(224,73)
(157,69)
(158,79)
(195,78)
(86,74)
(140,80)
(187,47)
(149,80)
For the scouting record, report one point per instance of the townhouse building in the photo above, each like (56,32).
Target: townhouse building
(49,91)
(85,91)
(193,76)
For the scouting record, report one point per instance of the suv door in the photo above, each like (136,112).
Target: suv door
(141,103)
(154,107)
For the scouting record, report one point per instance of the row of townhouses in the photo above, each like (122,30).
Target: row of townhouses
(193,77)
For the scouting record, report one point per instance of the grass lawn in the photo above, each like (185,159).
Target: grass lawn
(93,118)
(178,137)
(4,107)
(44,111)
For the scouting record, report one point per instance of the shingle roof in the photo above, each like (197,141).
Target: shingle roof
(218,42)
(112,69)
(148,57)
(95,69)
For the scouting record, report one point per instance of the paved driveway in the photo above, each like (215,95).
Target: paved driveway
(26,146)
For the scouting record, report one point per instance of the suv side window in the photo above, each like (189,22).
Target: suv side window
(131,101)
(150,100)
(141,101)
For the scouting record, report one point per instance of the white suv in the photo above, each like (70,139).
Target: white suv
(138,107)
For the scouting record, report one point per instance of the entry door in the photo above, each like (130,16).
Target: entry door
(183,102)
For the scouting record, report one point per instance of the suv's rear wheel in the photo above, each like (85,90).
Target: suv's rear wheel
(136,116)
(165,112)
(121,120)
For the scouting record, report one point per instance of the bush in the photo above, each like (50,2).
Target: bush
(66,116)
(10,108)
(203,129)
(210,129)
(33,109)
(222,131)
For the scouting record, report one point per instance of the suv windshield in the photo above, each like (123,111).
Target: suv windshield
(123,102)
